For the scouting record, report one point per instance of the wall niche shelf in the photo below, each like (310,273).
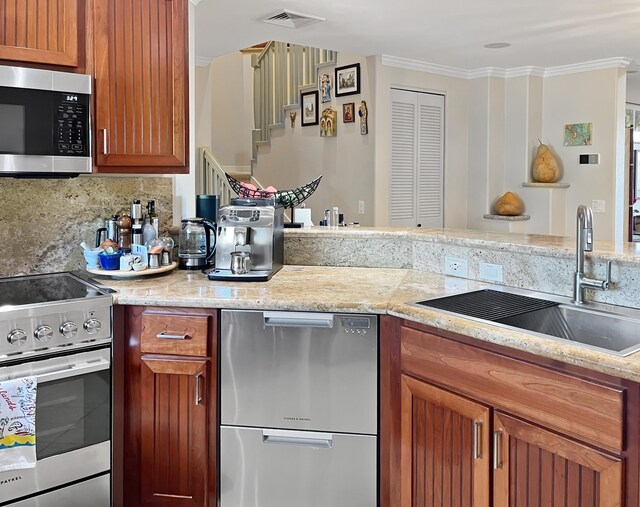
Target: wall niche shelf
(535,184)
(518,218)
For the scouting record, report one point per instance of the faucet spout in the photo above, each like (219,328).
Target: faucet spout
(584,243)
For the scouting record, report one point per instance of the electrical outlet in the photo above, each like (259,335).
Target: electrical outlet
(456,267)
(361,207)
(490,272)
(598,206)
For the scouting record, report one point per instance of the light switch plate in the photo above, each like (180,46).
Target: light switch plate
(490,272)
(598,206)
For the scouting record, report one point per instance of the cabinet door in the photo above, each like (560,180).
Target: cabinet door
(141,69)
(40,31)
(533,466)
(174,437)
(444,448)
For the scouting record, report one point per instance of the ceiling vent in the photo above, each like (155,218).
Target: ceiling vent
(291,19)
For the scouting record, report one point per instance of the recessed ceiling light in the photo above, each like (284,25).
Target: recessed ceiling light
(497,45)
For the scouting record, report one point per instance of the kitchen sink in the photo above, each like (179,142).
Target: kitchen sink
(614,330)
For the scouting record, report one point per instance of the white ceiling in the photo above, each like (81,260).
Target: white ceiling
(543,33)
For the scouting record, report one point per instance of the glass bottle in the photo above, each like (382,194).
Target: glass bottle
(153,217)
(148,231)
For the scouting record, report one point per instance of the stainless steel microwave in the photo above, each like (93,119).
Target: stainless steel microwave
(44,122)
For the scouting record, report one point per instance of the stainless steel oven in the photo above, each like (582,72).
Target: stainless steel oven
(58,330)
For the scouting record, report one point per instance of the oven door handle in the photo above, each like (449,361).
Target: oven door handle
(74,370)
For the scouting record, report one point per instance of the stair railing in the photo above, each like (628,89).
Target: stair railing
(280,70)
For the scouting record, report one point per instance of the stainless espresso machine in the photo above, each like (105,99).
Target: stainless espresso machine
(250,241)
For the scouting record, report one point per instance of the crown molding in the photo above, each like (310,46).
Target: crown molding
(202,61)
(444,70)
(434,68)
(195,2)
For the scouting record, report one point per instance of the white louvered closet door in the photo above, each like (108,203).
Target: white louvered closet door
(417,159)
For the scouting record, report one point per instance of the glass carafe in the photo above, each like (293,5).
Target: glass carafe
(196,246)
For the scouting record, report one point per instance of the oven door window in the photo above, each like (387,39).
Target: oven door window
(72,413)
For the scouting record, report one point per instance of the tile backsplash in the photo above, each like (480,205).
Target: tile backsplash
(43,221)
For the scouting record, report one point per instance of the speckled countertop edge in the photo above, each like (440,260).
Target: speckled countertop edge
(549,246)
(358,290)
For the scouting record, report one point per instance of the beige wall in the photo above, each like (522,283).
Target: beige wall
(456,159)
(224,109)
(298,155)
(580,98)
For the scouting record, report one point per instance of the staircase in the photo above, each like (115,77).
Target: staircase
(212,179)
(281,71)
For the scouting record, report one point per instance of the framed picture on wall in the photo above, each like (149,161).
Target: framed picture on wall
(348,115)
(309,108)
(347,80)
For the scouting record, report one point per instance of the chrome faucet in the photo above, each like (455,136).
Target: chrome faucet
(584,243)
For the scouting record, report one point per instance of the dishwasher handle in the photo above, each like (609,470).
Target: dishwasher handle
(301,438)
(298,319)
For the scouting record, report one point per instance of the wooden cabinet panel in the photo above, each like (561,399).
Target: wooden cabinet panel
(574,406)
(444,448)
(168,333)
(174,440)
(141,95)
(40,31)
(535,467)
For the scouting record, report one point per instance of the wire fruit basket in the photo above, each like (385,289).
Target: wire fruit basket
(288,198)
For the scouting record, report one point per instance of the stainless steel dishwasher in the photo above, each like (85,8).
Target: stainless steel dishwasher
(299,409)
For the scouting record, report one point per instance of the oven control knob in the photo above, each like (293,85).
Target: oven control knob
(17,337)
(43,334)
(69,329)
(92,326)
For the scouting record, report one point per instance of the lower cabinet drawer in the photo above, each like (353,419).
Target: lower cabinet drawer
(272,468)
(174,334)
(577,407)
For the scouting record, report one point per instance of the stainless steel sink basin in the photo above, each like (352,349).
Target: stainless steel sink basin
(593,328)
(606,328)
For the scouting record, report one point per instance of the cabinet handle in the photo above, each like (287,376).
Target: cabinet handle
(105,149)
(497,449)
(198,398)
(477,451)
(170,336)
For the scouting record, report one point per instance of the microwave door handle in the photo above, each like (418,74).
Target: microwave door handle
(298,319)
(74,370)
(300,438)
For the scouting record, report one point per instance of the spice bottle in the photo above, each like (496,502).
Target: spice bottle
(124,231)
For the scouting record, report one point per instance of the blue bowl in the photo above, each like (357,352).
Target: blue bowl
(110,261)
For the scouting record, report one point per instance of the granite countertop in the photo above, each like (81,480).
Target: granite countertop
(361,290)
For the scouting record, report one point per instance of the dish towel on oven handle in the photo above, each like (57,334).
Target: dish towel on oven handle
(18,423)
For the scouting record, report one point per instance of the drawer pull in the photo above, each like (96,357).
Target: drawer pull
(477,429)
(198,399)
(171,336)
(497,449)
(301,438)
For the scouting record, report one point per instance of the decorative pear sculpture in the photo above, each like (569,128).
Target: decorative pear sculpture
(545,167)
(509,205)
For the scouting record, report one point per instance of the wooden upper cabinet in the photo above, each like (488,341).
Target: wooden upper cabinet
(445,455)
(534,466)
(40,31)
(141,91)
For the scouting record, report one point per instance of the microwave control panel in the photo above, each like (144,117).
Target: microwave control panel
(72,131)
